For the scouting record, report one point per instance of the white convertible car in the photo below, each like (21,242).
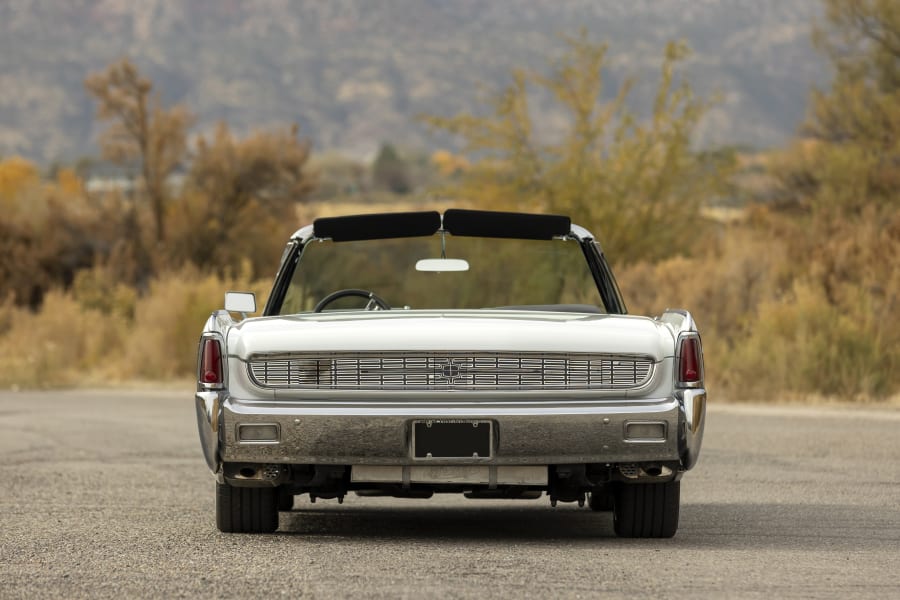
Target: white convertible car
(482,353)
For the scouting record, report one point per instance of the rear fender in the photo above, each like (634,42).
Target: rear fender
(208,401)
(692,399)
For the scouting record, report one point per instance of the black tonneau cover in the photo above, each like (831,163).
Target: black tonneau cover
(378,226)
(486,223)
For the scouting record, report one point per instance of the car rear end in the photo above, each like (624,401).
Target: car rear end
(574,426)
(492,357)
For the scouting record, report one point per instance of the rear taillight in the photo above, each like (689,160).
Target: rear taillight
(690,360)
(211,362)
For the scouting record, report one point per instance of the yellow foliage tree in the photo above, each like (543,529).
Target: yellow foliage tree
(16,175)
(449,164)
(239,192)
(69,183)
(855,121)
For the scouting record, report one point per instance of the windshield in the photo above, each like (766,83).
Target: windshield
(501,273)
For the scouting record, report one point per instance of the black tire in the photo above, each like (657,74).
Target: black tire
(246,510)
(285,501)
(601,499)
(647,510)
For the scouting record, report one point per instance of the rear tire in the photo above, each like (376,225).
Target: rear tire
(601,499)
(246,510)
(647,510)
(285,501)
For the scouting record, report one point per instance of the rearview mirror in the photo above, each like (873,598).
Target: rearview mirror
(442,265)
(242,302)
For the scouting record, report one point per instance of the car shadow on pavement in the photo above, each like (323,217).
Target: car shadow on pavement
(724,526)
(451,523)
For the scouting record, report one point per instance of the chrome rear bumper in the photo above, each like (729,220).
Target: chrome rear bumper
(526,433)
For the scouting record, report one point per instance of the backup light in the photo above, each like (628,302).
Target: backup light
(258,432)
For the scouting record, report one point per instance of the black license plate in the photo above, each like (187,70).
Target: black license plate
(452,439)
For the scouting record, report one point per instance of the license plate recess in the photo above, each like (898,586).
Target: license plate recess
(451,438)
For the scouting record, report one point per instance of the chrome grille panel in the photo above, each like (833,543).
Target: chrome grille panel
(442,371)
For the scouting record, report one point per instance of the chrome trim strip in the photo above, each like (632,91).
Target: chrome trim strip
(421,406)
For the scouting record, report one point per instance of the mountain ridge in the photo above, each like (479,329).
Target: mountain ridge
(353,73)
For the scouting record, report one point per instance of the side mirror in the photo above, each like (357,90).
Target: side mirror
(242,302)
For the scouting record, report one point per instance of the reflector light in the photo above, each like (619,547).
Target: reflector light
(211,362)
(691,365)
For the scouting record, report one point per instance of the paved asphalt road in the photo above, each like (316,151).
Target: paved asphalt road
(106,494)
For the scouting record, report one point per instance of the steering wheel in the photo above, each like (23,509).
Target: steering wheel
(375,302)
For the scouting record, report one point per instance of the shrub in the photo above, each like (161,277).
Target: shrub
(61,345)
(785,307)
(101,332)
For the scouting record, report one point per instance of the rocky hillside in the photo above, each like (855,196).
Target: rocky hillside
(355,72)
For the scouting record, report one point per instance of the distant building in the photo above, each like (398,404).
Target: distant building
(106,177)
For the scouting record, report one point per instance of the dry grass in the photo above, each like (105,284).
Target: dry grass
(75,340)
(783,316)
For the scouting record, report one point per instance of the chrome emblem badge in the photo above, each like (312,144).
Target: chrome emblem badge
(448,372)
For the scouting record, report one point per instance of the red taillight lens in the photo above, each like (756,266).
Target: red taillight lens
(690,366)
(211,362)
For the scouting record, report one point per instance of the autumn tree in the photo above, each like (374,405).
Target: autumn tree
(848,156)
(50,230)
(844,171)
(837,213)
(140,129)
(637,182)
(239,198)
(862,40)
